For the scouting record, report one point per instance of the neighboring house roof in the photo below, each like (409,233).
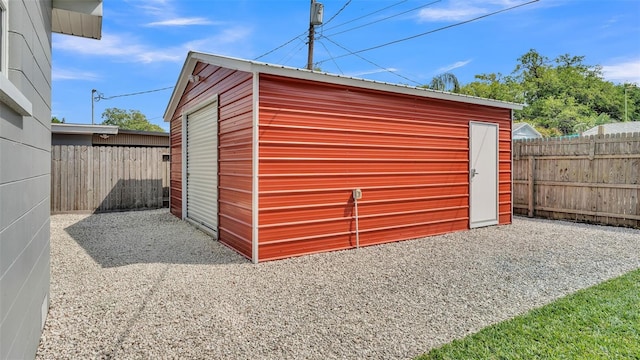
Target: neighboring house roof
(83,129)
(143,132)
(256,67)
(133,138)
(77,17)
(83,134)
(523,130)
(615,128)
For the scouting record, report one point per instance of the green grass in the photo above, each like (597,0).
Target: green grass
(600,322)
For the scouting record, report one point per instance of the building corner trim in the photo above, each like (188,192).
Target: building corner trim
(254,163)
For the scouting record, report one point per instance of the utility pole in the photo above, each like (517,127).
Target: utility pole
(315,19)
(93,94)
(625,103)
(312,33)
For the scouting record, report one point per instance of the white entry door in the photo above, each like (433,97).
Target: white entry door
(483,174)
(202,168)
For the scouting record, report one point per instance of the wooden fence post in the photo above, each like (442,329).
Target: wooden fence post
(530,184)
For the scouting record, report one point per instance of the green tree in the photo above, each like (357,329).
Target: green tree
(128,119)
(55,120)
(494,86)
(630,92)
(444,82)
(565,93)
(562,95)
(592,122)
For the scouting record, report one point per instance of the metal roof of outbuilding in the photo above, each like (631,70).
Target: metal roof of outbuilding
(259,67)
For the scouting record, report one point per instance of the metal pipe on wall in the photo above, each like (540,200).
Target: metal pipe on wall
(357,194)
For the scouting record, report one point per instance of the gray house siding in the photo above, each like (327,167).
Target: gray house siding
(25,146)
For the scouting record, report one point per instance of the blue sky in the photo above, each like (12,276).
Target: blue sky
(145,43)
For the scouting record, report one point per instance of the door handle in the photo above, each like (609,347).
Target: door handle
(474,172)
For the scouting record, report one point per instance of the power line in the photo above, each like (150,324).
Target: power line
(342,24)
(291,53)
(339,11)
(365,15)
(281,46)
(285,59)
(430,32)
(386,18)
(328,52)
(100,96)
(374,64)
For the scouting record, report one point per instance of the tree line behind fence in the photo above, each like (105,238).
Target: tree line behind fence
(594,179)
(108,178)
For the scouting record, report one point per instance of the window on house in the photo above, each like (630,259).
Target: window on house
(10,95)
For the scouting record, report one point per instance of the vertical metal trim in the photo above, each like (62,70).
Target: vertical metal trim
(254,162)
(511,169)
(184,166)
(470,145)
(497,173)
(170,161)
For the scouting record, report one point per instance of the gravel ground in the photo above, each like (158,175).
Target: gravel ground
(146,285)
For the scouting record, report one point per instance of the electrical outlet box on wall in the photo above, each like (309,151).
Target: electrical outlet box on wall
(357,194)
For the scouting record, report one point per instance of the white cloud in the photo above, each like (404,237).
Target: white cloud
(73,74)
(370,72)
(611,22)
(219,43)
(460,10)
(184,21)
(153,7)
(451,14)
(126,48)
(455,65)
(165,14)
(505,3)
(119,46)
(624,72)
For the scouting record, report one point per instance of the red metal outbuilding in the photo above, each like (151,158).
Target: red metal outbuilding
(278,162)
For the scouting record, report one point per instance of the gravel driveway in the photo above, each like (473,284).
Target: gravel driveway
(146,285)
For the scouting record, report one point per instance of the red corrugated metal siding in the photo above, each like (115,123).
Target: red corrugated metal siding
(504,181)
(234,90)
(409,155)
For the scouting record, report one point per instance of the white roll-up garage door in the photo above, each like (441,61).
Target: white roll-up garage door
(202,167)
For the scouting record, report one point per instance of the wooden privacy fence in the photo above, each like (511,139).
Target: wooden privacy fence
(108,178)
(593,179)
